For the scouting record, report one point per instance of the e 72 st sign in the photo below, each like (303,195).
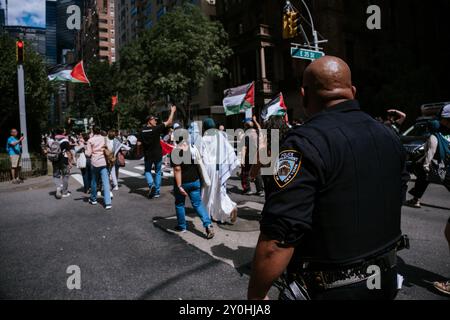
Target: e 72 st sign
(305,54)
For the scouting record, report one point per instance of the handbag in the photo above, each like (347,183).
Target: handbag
(204,176)
(109,156)
(81,161)
(121,159)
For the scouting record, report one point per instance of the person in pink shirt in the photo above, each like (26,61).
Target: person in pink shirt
(95,149)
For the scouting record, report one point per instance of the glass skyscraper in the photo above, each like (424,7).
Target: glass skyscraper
(51,45)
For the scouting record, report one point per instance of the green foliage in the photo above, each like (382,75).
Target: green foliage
(173,58)
(37,89)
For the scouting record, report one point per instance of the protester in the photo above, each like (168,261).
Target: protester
(86,170)
(220,161)
(61,157)
(14,150)
(395,120)
(187,184)
(119,149)
(265,144)
(150,139)
(96,150)
(249,157)
(437,155)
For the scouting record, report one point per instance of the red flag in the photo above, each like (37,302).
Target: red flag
(114,102)
(78,74)
(166,148)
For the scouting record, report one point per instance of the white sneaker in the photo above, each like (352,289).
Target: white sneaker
(68,194)
(94,203)
(111,194)
(59,193)
(116,189)
(108,207)
(99,194)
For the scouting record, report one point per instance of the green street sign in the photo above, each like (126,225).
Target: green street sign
(299,53)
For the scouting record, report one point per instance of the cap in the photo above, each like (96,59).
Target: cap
(151,117)
(445,114)
(176,126)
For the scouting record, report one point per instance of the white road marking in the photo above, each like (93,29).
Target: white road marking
(131,174)
(78,178)
(140,168)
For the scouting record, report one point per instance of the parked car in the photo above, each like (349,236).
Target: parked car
(415,138)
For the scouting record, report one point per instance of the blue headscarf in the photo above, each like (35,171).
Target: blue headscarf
(443,144)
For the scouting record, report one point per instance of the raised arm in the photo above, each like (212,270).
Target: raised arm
(169,121)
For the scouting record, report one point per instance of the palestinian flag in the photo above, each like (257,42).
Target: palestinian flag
(240,99)
(276,107)
(166,148)
(68,72)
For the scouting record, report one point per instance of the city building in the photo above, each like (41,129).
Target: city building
(384,62)
(97,37)
(3,12)
(32,36)
(50,26)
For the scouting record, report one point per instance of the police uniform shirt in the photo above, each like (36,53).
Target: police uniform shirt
(337,189)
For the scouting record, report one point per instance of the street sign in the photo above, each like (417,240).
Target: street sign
(299,53)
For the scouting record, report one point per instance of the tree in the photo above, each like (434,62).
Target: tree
(176,56)
(37,89)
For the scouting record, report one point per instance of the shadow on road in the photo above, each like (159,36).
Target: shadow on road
(240,257)
(419,277)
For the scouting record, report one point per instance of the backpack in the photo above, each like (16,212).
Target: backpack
(54,152)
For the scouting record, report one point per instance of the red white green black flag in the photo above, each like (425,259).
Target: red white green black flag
(238,100)
(276,107)
(69,73)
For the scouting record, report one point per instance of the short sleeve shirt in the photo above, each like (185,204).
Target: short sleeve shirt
(11,149)
(151,140)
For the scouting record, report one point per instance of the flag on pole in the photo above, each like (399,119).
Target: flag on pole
(114,102)
(69,73)
(276,107)
(238,100)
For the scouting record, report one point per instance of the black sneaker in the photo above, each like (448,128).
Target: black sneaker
(261,194)
(180,229)
(151,193)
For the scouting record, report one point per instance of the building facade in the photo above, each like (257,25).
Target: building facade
(32,36)
(97,37)
(50,29)
(384,62)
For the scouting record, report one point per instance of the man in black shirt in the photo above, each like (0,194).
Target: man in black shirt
(150,139)
(332,215)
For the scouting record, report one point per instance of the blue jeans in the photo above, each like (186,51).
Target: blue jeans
(193,189)
(148,174)
(87,175)
(104,174)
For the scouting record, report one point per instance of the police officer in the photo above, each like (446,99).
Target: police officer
(332,216)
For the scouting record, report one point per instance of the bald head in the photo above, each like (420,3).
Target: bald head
(327,82)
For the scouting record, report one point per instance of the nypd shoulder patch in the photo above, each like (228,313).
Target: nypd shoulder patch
(288,166)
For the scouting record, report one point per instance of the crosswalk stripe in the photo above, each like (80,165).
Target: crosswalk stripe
(141,168)
(78,178)
(131,174)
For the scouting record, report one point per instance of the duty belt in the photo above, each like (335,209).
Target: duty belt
(330,278)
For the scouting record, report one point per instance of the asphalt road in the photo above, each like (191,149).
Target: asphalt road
(132,252)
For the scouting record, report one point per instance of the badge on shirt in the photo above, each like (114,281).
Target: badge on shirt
(287,167)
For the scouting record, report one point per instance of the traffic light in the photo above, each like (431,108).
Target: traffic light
(20,51)
(286,31)
(293,24)
(290,24)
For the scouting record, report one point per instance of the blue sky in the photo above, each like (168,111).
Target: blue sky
(26,12)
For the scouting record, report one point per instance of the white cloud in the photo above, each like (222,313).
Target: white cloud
(26,12)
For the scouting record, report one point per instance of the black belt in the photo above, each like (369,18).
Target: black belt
(325,278)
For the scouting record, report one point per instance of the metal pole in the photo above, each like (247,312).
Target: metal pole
(23,118)
(314,32)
